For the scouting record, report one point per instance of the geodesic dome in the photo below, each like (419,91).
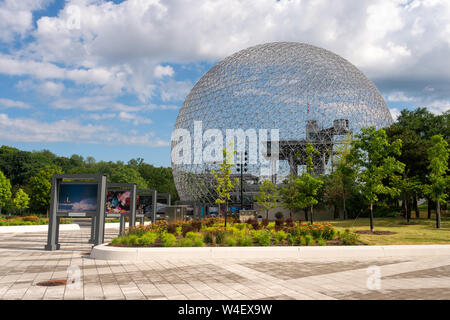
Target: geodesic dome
(310,94)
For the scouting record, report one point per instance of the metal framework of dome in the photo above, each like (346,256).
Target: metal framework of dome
(310,94)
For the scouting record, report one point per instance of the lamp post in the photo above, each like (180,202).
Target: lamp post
(242,167)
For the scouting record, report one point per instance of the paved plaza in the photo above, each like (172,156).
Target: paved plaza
(24,263)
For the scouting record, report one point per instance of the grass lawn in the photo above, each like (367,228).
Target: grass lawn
(419,231)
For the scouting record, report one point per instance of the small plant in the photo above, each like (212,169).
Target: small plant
(279,215)
(290,223)
(307,240)
(279,224)
(230,241)
(320,242)
(168,239)
(349,238)
(265,222)
(185,242)
(290,239)
(245,241)
(147,239)
(280,236)
(172,228)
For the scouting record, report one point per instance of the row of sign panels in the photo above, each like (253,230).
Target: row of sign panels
(78,199)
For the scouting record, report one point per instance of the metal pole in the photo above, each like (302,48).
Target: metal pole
(52,223)
(100,218)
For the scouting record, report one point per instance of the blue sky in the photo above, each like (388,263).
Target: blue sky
(107,78)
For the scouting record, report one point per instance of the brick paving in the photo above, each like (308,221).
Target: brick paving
(24,263)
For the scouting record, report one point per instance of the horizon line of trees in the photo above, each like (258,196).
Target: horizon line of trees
(25,177)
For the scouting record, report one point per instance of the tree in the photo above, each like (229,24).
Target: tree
(408,188)
(21,200)
(40,186)
(341,182)
(125,174)
(308,185)
(308,188)
(288,194)
(267,196)
(5,190)
(224,183)
(438,156)
(374,158)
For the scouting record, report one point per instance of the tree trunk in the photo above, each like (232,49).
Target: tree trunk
(438,214)
(226,213)
(371,217)
(407,211)
(345,211)
(429,207)
(416,207)
(306,214)
(312,212)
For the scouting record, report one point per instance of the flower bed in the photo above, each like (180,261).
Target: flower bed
(27,221)
(211,232)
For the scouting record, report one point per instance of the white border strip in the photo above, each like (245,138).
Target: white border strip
(105,252)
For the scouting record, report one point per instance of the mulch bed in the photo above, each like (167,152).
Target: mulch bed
(376,232)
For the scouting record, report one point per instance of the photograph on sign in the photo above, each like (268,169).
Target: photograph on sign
(77,198)
(118,202)
(144,204)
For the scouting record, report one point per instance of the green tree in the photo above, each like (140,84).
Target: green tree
(223,179)
(308,184)
(21,200)
(341,182)
(40,186)
(374,158)
(288,195)
(267,196)
(5,190)
(125,174)
(438,156)
(308,188)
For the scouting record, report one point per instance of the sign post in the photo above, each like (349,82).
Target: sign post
(121,202)
(77,195)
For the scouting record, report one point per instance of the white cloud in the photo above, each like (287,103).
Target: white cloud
(8,103)
(135,118)
(31,130)
(395,113)
(161,71)
(399,96)
(127,47)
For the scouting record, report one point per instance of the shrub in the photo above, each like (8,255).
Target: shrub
(130,240)
(198,242)
(208,237)
(321,242)
(349,238)
(172,228)
(280,236)
(219,235)
(278,224)
(185,242)
(307,239)
(245,241)
(168,240)
(194,235)
(290,223)
(262,237)
(254,223)
(31,219)
(147,239)
(185,228)
(196,225)
(290,239)
(230,241)
(279,215)
(265,222)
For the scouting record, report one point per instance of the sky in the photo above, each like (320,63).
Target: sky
(107,78)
